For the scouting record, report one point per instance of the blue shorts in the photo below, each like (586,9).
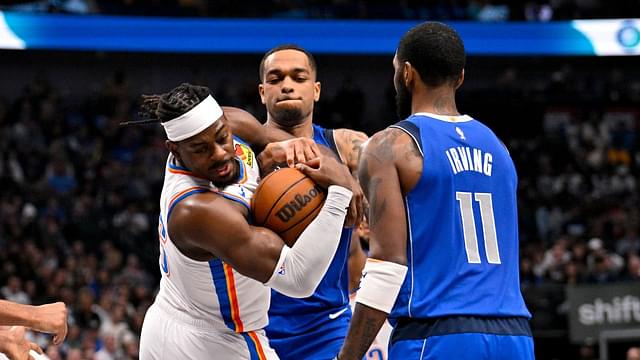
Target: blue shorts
(462,338)
(322,342)
(468,346)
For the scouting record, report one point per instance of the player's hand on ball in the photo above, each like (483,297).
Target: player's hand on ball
(326,171)
(288,152)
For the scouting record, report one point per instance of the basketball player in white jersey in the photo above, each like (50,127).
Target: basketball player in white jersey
(216,267)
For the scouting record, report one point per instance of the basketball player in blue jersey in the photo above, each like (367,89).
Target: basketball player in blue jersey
(441,186)
(313,327)
(213,300)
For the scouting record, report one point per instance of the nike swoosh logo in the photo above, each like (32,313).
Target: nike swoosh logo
(336,314)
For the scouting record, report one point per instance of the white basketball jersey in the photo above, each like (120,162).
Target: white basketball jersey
(210,290)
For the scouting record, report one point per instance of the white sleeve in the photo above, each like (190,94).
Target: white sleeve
(302,266)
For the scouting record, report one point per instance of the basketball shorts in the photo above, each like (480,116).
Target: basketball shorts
(320,342)
(170,335)
(463,338)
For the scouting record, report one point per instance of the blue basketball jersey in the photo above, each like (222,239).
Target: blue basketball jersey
(462,246)
(314,327)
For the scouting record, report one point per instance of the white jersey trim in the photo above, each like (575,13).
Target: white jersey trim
(447,118)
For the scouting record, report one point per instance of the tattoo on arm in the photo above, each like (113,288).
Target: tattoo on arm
(377,202)
(411,151)
(356,150)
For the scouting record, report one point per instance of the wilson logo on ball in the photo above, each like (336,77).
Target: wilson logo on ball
(289,210)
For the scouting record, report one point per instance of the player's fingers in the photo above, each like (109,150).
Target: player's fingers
(316,150)
(303,168)
(63,335)
(309,153)
(300,155)
(35,347)
(314,163)
(290,154)
(351,214)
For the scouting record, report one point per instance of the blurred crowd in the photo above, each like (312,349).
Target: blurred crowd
(77,216)
(79,199)
(477,10)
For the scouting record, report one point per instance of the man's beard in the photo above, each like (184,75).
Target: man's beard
(403,101)
(288,117)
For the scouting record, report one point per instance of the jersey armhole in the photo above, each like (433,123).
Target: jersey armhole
(328,135)
(412,130)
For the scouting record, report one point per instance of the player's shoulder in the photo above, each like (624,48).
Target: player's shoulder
(200,208)
(349,133)
(388,138)
(387,144)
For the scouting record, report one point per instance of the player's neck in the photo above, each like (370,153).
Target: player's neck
(304,129)
(440,100)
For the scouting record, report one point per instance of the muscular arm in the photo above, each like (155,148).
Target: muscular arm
(249,129)
(49,318)
(385,179)
(357,258)
(349,143)
(211,223)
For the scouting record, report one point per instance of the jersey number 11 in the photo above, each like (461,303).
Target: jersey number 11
(469,226)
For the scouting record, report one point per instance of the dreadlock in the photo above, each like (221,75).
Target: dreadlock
(167,106)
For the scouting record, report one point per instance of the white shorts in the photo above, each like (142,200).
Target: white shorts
(170,335)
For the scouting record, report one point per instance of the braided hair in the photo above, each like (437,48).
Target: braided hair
(170,105)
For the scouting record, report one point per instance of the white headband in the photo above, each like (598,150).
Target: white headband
(193,121)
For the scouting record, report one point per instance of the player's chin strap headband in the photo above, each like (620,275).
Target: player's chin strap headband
(380,284)
(203,115)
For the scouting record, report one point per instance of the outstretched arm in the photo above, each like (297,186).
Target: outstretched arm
(48,318)
(249,129)
(386,267)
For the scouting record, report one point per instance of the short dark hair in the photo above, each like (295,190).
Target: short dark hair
(176,102)
(435,50)
(312,61)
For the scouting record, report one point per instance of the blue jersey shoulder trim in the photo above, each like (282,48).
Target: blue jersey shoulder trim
(412,130)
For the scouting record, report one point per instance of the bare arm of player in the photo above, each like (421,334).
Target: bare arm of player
(47,318)
(356,261)
(211,223)
(14,344)
(349,144)
(385,178)
(279,145)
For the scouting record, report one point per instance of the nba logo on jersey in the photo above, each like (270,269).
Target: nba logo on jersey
(281,271)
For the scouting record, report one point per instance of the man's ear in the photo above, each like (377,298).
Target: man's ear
(408,75)
(316,91)
(173,147)
(460,80)
(261,92)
